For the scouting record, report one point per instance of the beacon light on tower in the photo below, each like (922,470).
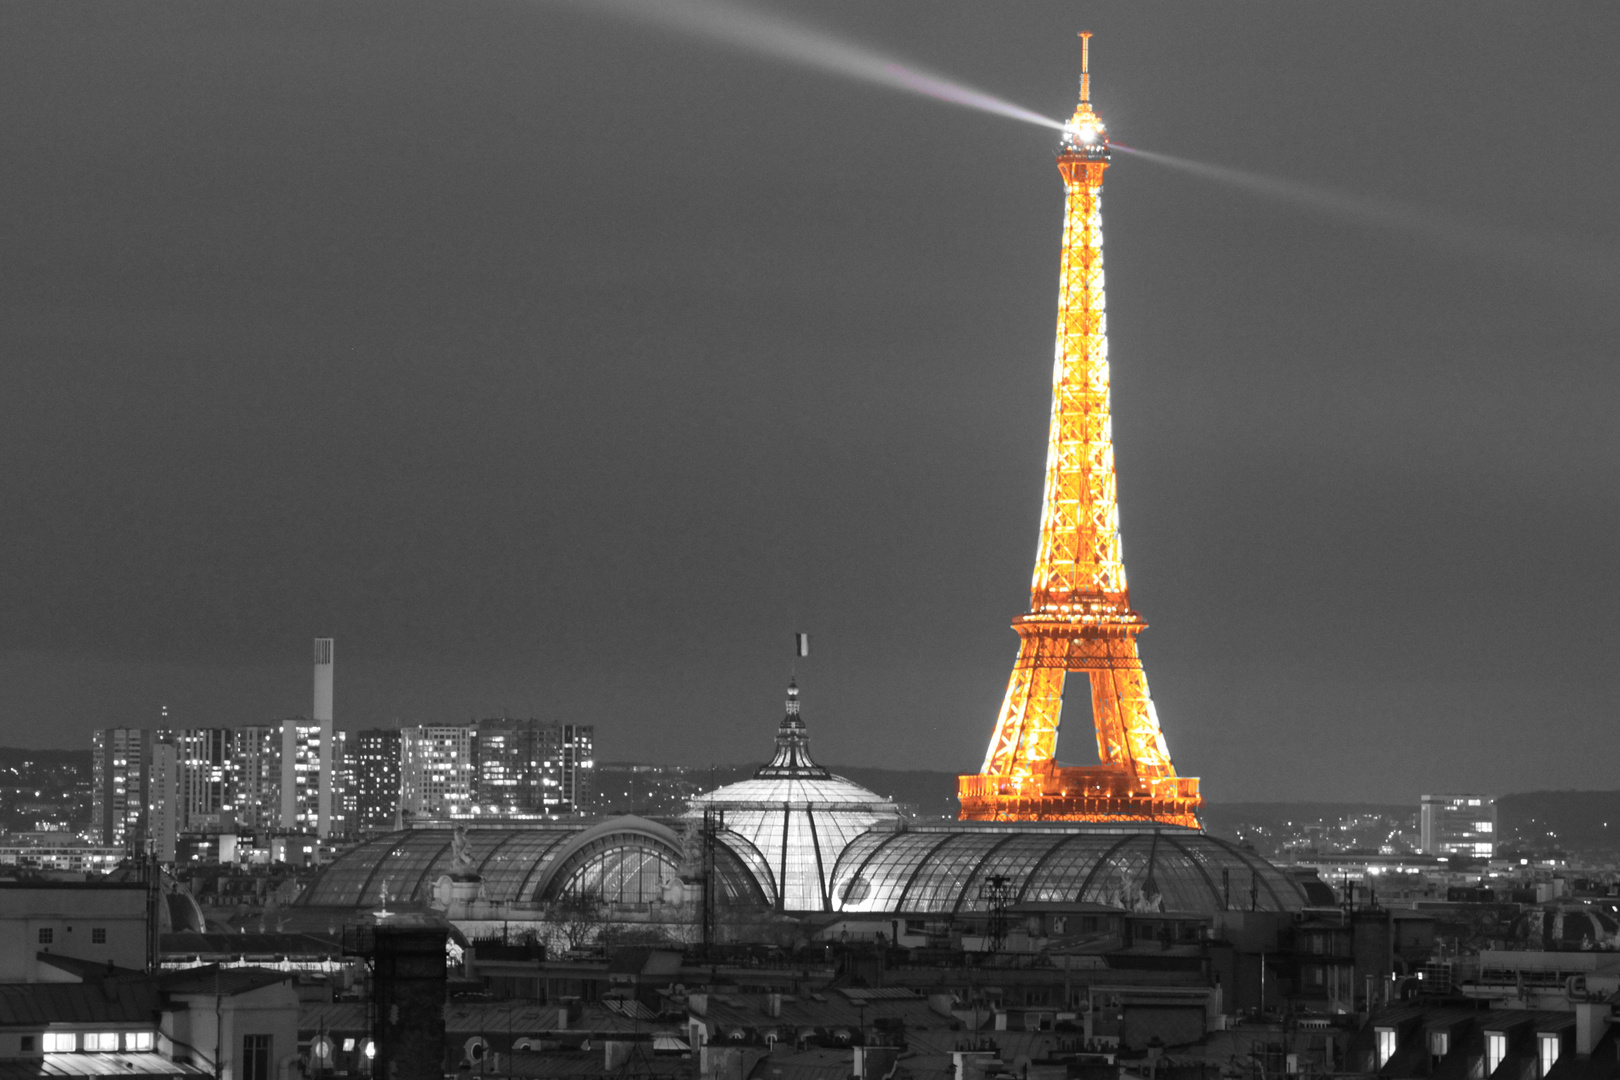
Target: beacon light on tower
(1084,131)
(1080,618)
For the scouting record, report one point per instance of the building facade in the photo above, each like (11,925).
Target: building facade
(207,762)
(99,922)
(576,767)
(165,810)
(1458,825)
(501,768)
(533,766)
(438,771)
(120,762)
(313,774)
(257,773)
(509,755)
(374,776)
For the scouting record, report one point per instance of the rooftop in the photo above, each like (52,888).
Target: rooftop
(228,982)
(133,1000)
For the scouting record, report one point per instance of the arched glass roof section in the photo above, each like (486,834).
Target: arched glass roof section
(626,857)
(940,869)
(626,860)
(409,862)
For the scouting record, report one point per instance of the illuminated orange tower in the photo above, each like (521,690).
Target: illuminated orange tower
(1080,618)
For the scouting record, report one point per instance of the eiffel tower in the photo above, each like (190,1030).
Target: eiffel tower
(1080,619)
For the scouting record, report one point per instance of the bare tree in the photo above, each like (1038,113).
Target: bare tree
(574,921)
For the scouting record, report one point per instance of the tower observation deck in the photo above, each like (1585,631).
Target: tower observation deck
(1080,619)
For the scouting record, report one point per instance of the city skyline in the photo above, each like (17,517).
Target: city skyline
(487,341)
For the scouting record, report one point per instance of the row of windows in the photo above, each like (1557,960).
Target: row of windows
(92,1042)
(1548,1045)
(98,935)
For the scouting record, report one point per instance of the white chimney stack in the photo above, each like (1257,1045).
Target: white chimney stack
(322,716)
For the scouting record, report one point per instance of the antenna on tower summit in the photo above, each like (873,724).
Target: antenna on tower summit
(1085,67)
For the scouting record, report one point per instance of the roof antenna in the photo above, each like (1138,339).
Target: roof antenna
(1085,67)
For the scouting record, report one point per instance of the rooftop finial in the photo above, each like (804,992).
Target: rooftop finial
(1084,131)
(792,746)
(1085,67)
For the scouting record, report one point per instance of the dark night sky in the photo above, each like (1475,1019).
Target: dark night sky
(564,365)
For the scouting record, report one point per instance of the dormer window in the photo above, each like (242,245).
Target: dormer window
(1386,1045)
(1547,1047)
(1495,1050)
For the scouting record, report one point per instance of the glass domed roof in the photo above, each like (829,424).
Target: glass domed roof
(797,815)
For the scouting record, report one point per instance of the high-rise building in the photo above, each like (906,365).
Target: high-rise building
(374,780)
(120,763)
(491,768)
(258,777)
(345,803)
(1458,825)
(438,770)
(312,775)
(509,779)
(533,766)
(165,810)
(208,766)
(300,774)
(576,767)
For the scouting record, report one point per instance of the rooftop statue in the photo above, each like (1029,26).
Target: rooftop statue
(463,866)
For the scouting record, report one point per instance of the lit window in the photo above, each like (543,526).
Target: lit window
(1439,1044)
(1547,1044)
(138,1040)
(60,1042)
(1386,1046)
(101,1041)
(1495,1050)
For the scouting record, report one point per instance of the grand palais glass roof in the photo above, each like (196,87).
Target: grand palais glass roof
(798,816)
(621,860)
(940,869)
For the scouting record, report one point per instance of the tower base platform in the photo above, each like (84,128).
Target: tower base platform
(1079,793)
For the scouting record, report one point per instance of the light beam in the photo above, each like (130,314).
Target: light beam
(772,35)
(1503,247)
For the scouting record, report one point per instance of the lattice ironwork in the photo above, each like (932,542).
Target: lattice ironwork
(1080,619)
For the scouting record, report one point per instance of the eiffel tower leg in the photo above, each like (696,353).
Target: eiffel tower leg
(1143,748)
(1026,733)
(1109,713)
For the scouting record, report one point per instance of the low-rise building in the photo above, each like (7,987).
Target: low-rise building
(102,922)
(1464,825)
